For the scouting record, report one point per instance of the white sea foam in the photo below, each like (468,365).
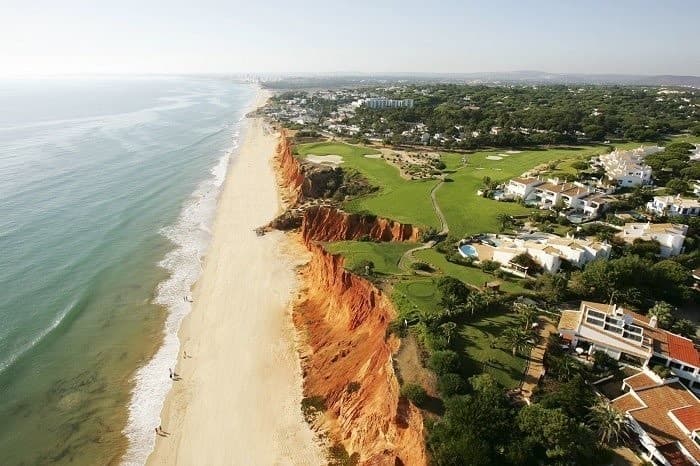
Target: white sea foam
(190,235)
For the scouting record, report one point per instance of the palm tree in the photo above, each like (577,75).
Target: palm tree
(517,339)
(448,329)
(475,303)
(528,313)
(610,425)
(567,367)
(451,303)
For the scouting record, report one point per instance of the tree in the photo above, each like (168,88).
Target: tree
(475,304)
(557,435)
(663,313)
(573,396)
(443,362)
(448,329)
(609,424)
(516,339)
(685,327)
(505,221)
(552,287)
(454,292)
(676,186)
(415,393)
(527,312)
(450,384)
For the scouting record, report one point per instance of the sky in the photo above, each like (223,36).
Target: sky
(40,37)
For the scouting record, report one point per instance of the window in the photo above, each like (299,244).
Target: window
(676,365)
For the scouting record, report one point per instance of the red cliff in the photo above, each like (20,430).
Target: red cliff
(322,223)
(344,319)
(290,173)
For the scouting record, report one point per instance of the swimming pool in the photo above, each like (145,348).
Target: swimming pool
(467,250)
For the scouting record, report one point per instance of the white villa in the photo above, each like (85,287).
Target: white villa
(547,193)
(551,192)
(670,236)
(665,416)
(549,252)
(670,205)
(627,167)
(630,337)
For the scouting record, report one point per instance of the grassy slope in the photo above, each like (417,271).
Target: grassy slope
(475,343)
(385,256)
(399,199)
(468,213)
(477,340)
(471,275)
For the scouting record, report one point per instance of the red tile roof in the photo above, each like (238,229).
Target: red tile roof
(654,416)
(689,416)
(639,381)
(627,402)
(683,349)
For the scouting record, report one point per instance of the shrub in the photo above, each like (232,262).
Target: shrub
(662,371)
(602,361)
(489,266)
(444,362)
(311,405)
(338,456)
(352,387)
(451,384)
(415,394)
(421,266)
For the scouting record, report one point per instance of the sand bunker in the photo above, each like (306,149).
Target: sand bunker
(373,156)
(493,157)
(513,151)
(325,159)
(504,155)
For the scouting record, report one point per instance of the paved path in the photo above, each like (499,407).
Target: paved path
(444,228)
(535,366)
(407,258)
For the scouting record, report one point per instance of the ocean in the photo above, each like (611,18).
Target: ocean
(108,188)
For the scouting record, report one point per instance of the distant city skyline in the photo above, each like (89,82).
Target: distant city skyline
(621,37)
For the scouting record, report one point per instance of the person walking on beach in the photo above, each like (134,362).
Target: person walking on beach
(171,373)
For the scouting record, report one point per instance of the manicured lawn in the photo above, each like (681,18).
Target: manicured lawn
(468,213)
(418,296)
(471,275)
(399,199)
(385,256)
(475,343)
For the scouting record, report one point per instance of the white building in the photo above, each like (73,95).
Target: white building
(550,251)
(671,206)
(670,236)
(553,192)
(522,187)
(627,168)
(383,102)
(634,338)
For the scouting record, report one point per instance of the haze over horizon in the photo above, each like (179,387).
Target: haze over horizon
(624,37)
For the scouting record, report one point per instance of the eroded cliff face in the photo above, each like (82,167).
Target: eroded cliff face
(344,319)
(321,223)
(289,170)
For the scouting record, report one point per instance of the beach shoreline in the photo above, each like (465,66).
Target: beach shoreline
(238,399)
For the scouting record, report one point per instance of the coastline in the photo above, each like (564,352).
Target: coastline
(238,401)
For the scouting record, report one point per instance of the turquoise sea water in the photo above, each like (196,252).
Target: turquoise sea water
(107,190)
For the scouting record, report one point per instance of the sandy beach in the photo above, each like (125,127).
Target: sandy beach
(238,402)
